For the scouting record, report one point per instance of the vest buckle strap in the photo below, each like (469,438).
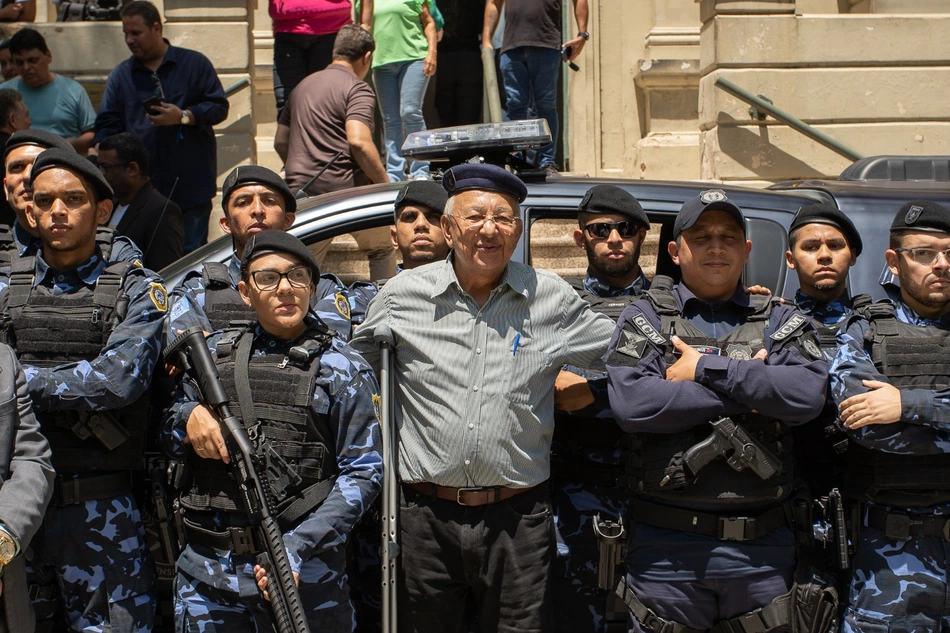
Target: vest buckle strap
(736,528)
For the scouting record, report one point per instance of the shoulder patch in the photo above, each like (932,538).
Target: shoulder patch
(158,296)
(342,305)
(794,324)
(812,349)
(642,324)
(632,344)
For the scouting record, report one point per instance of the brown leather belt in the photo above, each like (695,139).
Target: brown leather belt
(467,496)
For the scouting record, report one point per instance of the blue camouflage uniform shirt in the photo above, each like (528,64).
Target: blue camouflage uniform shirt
(352,417)
(187,303)
(123,249)
(924,427)
(122,371)
(786,386)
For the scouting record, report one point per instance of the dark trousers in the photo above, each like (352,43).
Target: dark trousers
(296,56)
(498,554)
(699,604)
(458,88)
(196,225)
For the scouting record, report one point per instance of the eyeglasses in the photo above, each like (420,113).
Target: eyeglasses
(602,230)
(925,256)
(503,222)
(267,279)
(104,167)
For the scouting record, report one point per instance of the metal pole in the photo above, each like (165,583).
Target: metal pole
(491,85)
(779,114)
(390,510)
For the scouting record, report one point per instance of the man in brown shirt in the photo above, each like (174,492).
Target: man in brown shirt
(332,111)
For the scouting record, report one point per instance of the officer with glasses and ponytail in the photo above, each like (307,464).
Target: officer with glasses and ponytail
(312,417)
(585,454)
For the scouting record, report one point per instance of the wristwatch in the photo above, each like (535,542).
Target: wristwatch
(584,34)
(7,548)
(185,119)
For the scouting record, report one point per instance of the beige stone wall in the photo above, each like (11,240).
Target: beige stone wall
(870,73)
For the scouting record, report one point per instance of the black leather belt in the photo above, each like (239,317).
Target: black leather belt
(238,540)
(901,527)
(67,492)
(722,526)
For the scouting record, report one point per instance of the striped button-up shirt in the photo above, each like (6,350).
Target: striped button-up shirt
(474,387)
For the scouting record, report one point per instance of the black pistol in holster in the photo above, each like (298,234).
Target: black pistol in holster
(167,540)
(611,547)
(740,450)
(103,425)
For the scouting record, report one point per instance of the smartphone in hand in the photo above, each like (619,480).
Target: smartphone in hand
(566,53)
(151,105)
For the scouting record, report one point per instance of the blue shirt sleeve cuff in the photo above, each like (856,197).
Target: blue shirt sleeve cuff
(707,365)
(917,406)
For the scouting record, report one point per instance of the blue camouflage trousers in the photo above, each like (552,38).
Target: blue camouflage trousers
(92,559)
(899,586)
(580,604)
(233,604)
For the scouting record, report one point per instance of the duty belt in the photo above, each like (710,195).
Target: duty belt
(67,492)
(237,540)
(722,526)
(467,496)
(900,527)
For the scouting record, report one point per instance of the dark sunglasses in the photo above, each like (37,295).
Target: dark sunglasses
(601,230)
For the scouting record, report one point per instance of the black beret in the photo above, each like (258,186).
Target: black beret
(613,199)
(272,241)
(828,213)
(421,193)
(484,178)
(40,138)
(69,160)
(709,200)
(922,215)
(257,175)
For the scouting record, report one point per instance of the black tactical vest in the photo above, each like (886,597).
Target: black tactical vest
(916,357)
(223,303)
(587,432)
(9,251)
(282,389)
(716,487)
(49,330)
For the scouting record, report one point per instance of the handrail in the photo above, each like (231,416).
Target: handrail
(779,114)
(237,85)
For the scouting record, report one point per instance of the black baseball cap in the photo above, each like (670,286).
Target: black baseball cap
(709,200)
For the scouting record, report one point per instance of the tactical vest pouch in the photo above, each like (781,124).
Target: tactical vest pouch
(93,440)
(907,481)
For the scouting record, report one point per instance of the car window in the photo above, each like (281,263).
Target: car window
(766,265)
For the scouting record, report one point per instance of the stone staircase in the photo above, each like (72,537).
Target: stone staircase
(552,248)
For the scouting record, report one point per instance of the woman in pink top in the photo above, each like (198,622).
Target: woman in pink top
(304,31)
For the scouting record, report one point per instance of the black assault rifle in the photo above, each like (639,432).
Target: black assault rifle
(190,353)
(741,451)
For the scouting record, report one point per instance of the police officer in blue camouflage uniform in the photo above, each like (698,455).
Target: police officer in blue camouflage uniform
(713,544)
(890,379)
(823,245)
(254,199)
(317,403)
(88,334)
(585,455)
(20,240)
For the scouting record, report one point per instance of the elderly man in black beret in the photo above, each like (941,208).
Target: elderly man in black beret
(254,199)
(478,343)
(88,333)
(890,381)
(20,151)
(319,424)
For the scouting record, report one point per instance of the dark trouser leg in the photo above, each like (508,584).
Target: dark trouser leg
(513,547)
(290,66)
(196,225)
(700,604)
